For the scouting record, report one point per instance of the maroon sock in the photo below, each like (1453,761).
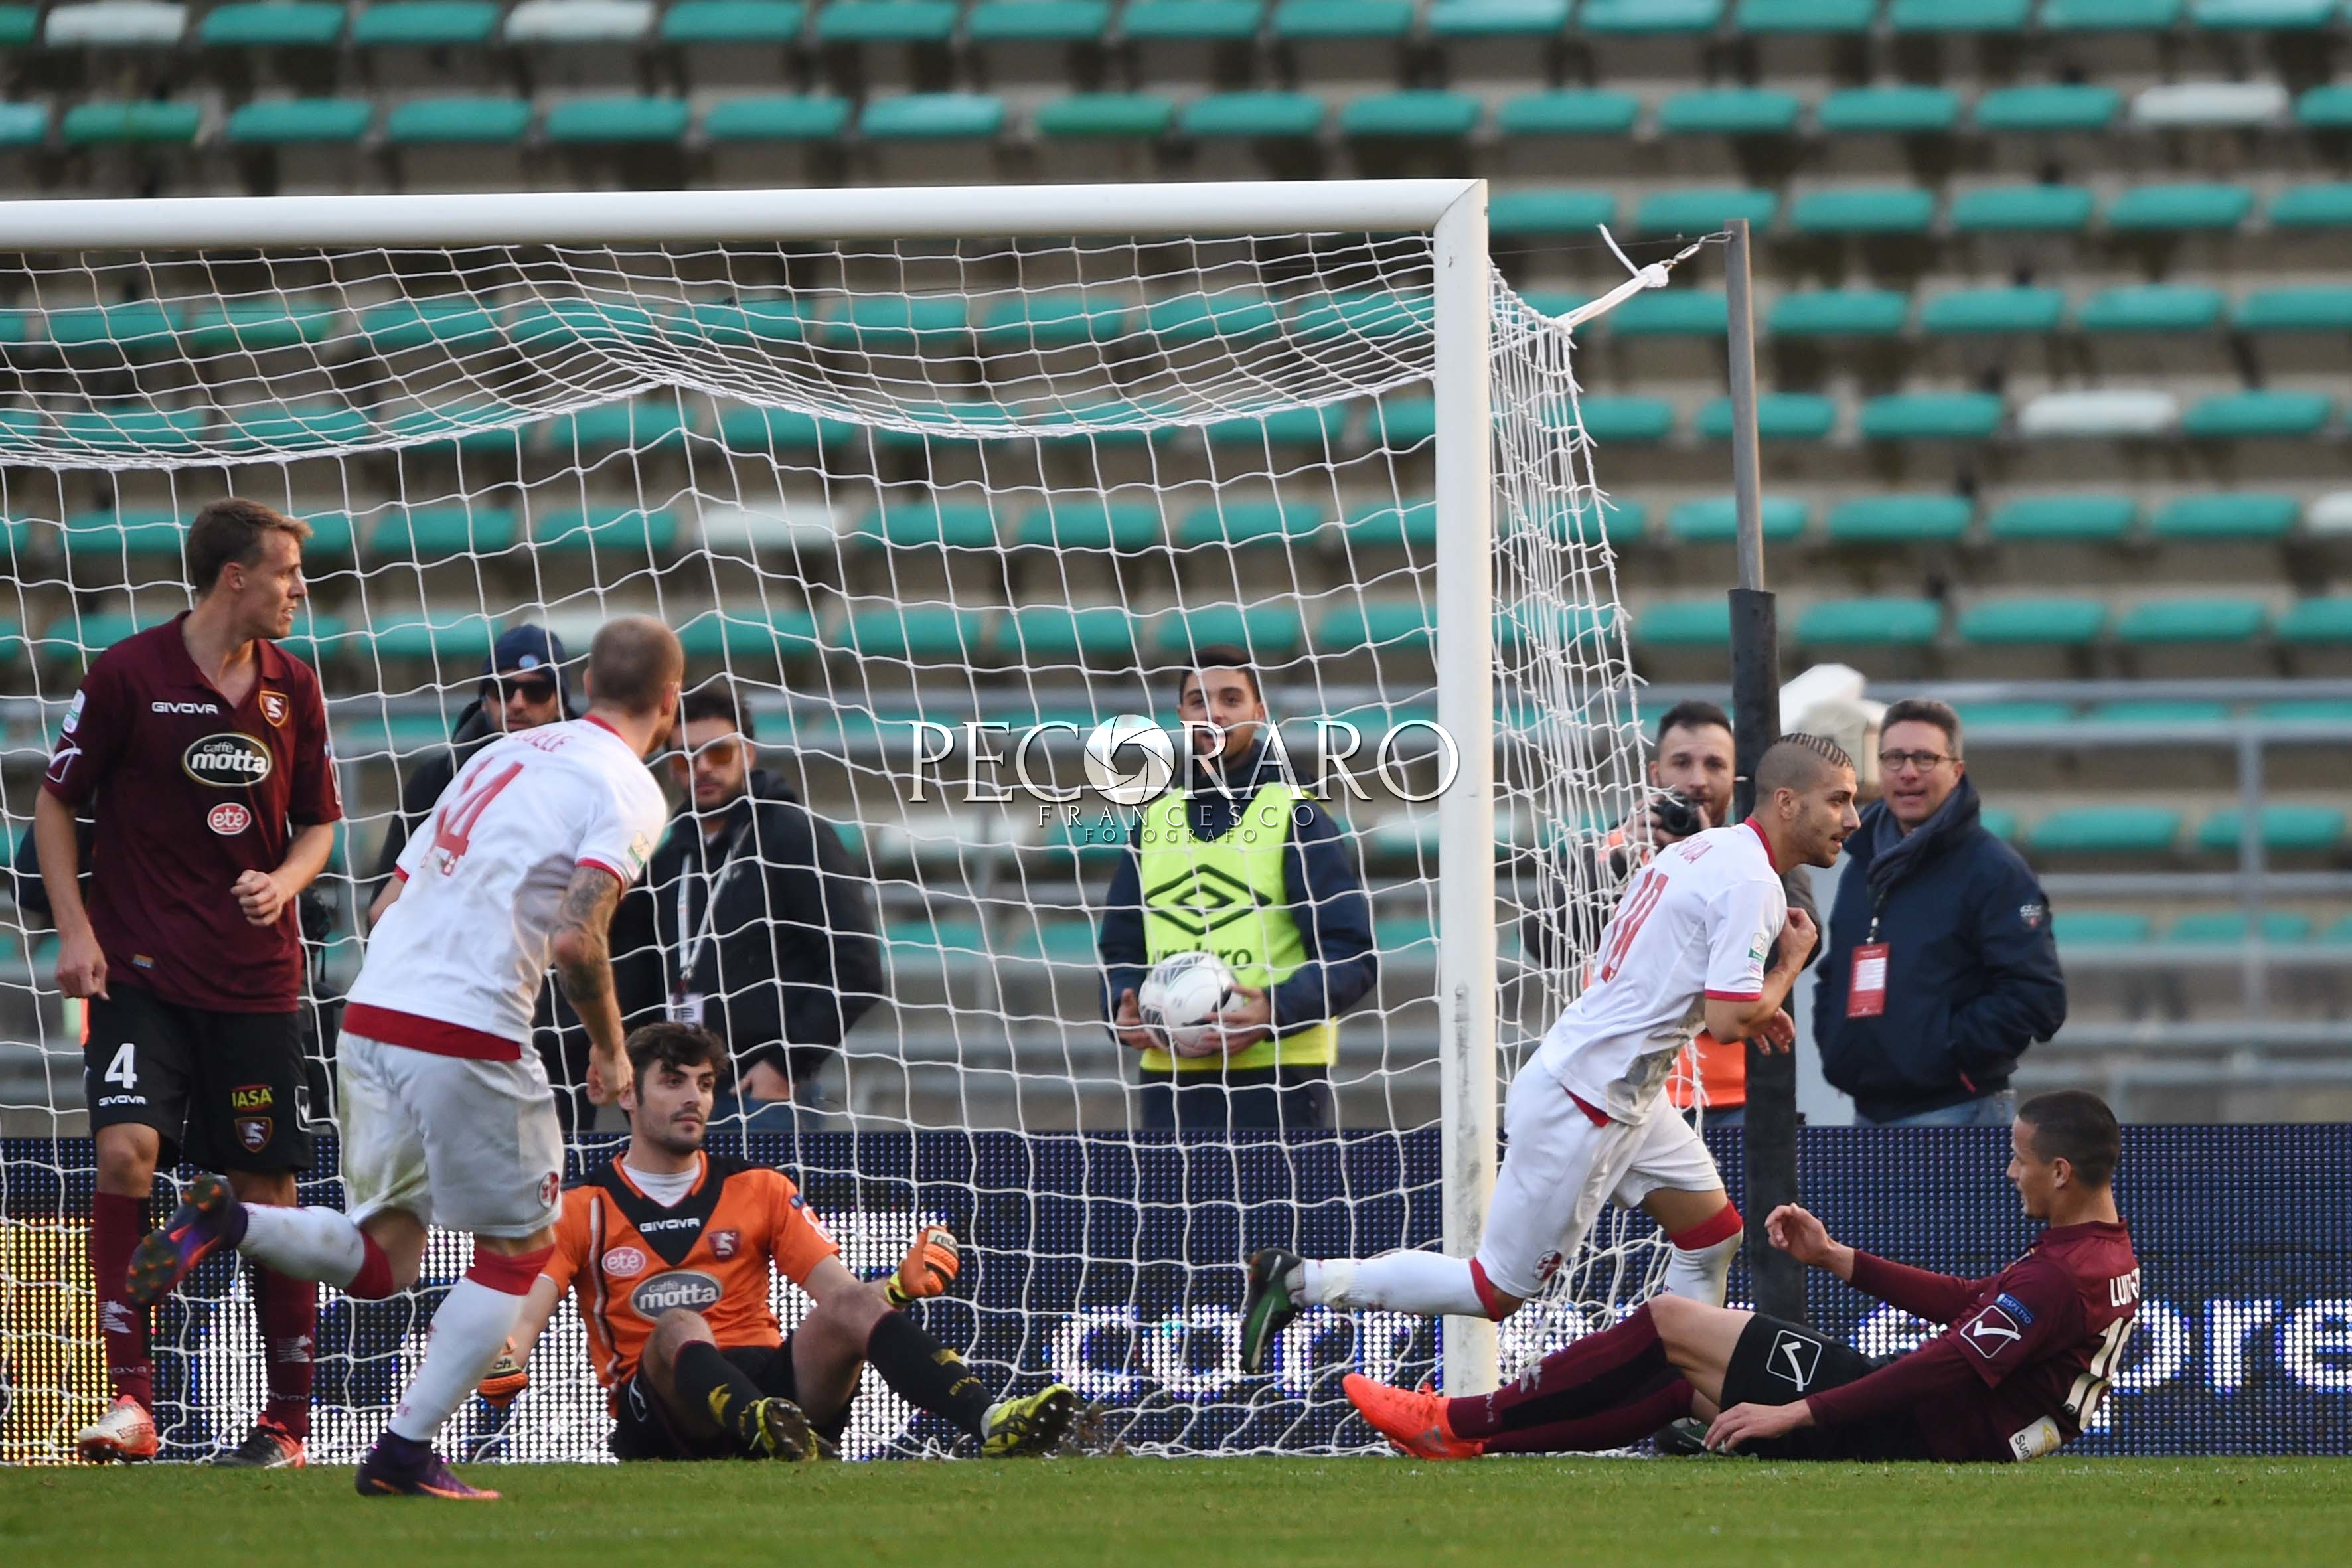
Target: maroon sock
(1614,1428)
(288,1310)
(373,1281)
(116,1226)
(1589,1374)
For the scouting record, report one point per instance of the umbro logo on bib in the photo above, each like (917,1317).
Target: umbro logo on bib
(1202,899)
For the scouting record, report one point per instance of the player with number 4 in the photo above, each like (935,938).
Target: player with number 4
(446,1114)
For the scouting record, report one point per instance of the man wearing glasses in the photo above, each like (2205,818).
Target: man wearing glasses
(1940,970)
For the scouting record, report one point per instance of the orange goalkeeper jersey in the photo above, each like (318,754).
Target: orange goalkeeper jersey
(628,1259)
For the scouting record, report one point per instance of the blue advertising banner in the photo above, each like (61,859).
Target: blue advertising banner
(1114,1264)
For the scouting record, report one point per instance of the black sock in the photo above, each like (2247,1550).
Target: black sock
(926,1374)
(706,1380)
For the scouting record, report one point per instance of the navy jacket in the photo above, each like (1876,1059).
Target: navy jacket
(1972,976)
(1319,885)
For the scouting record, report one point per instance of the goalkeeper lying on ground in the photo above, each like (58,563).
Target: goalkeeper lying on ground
(668,1251)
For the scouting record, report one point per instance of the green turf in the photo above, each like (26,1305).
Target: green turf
(1097,1512)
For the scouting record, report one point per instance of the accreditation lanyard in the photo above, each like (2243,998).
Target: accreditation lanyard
(1865,994)
(691,939)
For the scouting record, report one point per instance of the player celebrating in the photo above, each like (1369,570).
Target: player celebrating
(1587,1116)
(200,748)
(2021,1366)
(447,1116)
(668,1251)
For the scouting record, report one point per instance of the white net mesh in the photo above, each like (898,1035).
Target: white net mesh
(892,490)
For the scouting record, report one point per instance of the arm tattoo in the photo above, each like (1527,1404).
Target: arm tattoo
(587,910)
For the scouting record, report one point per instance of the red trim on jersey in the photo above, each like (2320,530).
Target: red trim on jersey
(1723,1227)
(1488,1297)
(509,1274)
(609,870)
(1735,996)
(1760,839)
(605,725)
(429,1035)
(400,873)
(1593,1113)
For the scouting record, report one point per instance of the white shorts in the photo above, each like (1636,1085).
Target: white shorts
(1559,1167)
(470,1145)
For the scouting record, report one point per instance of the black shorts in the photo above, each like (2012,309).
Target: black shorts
(229,1091)
(643,1430)
(1779,1362)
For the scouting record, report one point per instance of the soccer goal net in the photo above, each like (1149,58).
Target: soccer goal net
(941,488)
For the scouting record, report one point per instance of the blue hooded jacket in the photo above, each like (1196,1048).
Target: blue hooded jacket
(1973,975)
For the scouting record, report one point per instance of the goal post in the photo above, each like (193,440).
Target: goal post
(895,461)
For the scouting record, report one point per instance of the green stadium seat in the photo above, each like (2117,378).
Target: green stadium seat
(617,120)
(444,532)
(1840,313)
(1268,631)
(613,427)
(1702,210)
(2073,517)
(1628,419)
(1513,214)
(1239,522)
(24,124)
(1576,111)
(1192,21)
(289,122)
(1864,209)
(481,121)
(1804,16)
(1889,111)
(1650,16)
(1095,115)
(2241,415)
(2287,829)
(460,325)
(932,116)
(2006,623)
(732,22)
(2306,711)
(1729,111)
(1780,416)
(632,530)
(953,525)
(1922,519)
(2231,928)
(1096,633)
(1874,623)
(553,324)
(897,322)
(1317,427)
(1972,311)
(2049,106)
(1685,622)
(107,533)
(20,25)
(915,634)
(1392,525)
(752,324)
(1230,314)
(1999,821)
(2265,14)
(141,430)
(280,25)
(1089,522)
(2323,206)
(887,22)
(2309,307)
(2192,621)
(1958,15)
(1671,312)
(79,637)
(1385,625)
(2159,715)
(2100,928)
(2021,209)
(1401,423)
(1264,115)
(2317,621)
(1498,18)
(256,324)
(1053,318)
(1293,20)
(146,123)
(1932,416)
(311,428)
(2186,205)
(1581,520)
(749,633)
(2229,515)
(141,327)
(776,116)
(2015,716)
(2109,15)
(1714,520)
(2104,830)
(2326,108)
(424,25)
(1037,21)
(2151,308)
(1425,113)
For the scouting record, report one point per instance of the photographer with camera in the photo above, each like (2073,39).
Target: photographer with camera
(1692,776)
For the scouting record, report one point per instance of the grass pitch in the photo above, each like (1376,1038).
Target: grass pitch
(1280,1513)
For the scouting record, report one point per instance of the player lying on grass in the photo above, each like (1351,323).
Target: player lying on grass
(1691,943)
(668,1250)
(2022,1363)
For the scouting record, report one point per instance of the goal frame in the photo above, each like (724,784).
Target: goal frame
(1451,211)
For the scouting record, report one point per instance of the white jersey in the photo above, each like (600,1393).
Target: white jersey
(1698,921)
(465,945)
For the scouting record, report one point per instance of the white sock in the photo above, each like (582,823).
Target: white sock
(1427,1283)
(307,1244)
(468,1332)
(1703,1275)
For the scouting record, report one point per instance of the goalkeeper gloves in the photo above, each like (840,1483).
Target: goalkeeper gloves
(927,1269)
(505,1379)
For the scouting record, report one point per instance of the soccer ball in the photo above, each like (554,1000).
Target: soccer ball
(1181,998)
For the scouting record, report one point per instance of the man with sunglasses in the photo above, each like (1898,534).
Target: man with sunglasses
(1940,970)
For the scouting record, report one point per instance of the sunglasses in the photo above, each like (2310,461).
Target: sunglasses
(537,689)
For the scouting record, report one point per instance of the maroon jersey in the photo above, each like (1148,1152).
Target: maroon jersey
(2026,1357)
(188,793)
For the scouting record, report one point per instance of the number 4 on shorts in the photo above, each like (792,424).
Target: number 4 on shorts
(124,1069)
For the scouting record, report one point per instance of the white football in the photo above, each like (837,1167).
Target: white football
(1181,998)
